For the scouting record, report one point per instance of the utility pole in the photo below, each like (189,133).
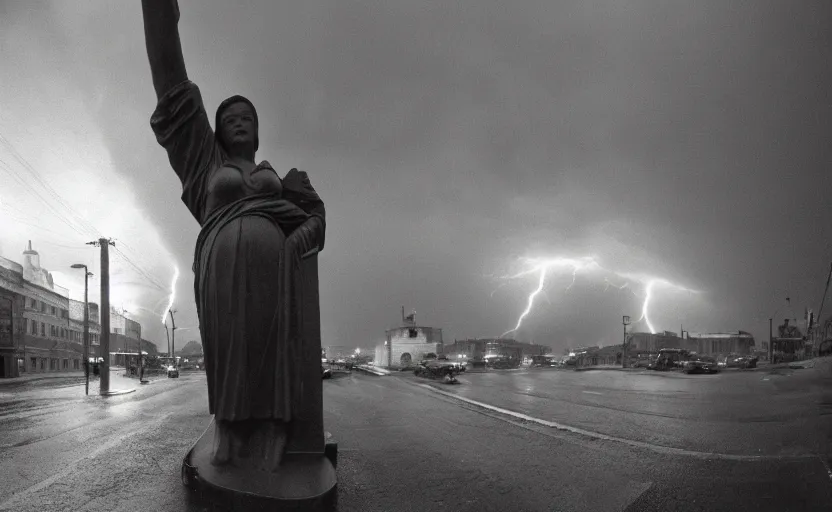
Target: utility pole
(626,321)
(173,337)
(105,244)
(167,333)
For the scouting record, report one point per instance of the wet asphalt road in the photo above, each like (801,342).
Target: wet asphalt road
(402,447)
(781,412)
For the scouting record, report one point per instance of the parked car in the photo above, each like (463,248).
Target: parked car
(435,369)
(700,364)
(669,358)
(173,372)
(737,361)
(326,373)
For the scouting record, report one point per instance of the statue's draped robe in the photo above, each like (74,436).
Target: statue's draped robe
(255,228)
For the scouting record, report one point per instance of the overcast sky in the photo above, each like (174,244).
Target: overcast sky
(683,141)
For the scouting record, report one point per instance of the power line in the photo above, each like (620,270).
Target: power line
(78,218)
(26,165)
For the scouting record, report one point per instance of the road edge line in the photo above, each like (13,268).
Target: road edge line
(667,450)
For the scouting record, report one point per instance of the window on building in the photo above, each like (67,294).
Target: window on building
(413,333)
(52,330)
(66,364)
(42,363)
(53,364)
(54,311)
(34,361)
(42,329)
(21,364)
(76,364)
(43,307)
(33,303)
(34,329)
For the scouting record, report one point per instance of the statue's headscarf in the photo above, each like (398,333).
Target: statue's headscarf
(225,104)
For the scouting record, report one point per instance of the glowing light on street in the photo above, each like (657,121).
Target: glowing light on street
(172,293)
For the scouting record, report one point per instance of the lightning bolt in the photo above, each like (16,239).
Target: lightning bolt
(172,293)
(531,301)
(648,291)
(544,265)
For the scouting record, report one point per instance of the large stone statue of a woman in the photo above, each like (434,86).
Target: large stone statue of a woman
(249,282)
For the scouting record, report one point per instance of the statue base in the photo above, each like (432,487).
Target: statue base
(304,481)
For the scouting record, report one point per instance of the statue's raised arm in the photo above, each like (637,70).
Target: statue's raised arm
(180,121)
(164,50)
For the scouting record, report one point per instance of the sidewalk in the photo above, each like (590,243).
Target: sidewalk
(29,376)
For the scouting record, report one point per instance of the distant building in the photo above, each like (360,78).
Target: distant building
(485,348)
(42,329)
(408,344)
(713,344)
(35,325)
(723,343)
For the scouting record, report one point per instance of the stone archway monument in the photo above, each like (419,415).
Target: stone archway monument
(256,291)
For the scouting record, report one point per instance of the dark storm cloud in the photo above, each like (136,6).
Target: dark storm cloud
(682,139)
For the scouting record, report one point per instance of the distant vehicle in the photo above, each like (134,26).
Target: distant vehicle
(173,372)
(700,364)
(738,361)
(502,363)
(669,358)
(544,362)
(437,369)
(326,373)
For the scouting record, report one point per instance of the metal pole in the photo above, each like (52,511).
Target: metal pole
(167,333)
(86,331)
(769,340)
(105,315)
(173,337)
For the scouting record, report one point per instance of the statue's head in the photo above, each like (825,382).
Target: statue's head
(237,125)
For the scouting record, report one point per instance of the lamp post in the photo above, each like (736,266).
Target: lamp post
(87,274)
(626,321)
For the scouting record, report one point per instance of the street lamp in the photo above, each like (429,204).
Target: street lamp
(626,321)
(87,274)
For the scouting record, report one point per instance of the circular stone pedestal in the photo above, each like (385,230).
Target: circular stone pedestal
(303,482)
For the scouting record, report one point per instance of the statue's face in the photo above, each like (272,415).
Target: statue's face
(238,125)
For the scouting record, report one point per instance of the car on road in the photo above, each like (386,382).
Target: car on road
(700,364)
(173,372)
(544,362)
(738,361)
(326,373)
(439,369)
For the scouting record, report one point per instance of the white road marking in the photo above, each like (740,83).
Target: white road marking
(630,442)
(72,467)
(825,465)
(593,392)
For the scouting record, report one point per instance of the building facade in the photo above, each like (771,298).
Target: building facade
(36,320)
(409,345)
(484,348)
(42,330)
(712,344)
